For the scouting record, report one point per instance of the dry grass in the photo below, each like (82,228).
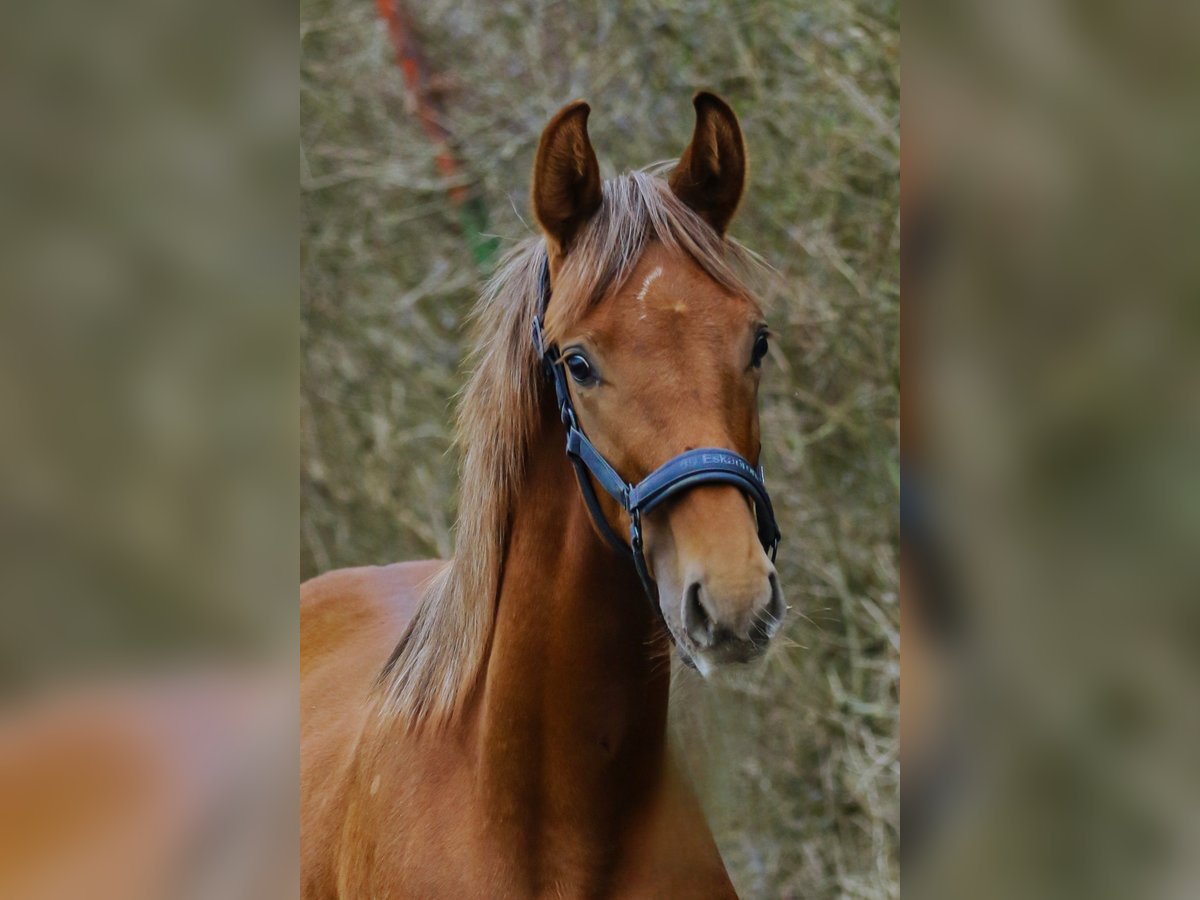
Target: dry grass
(798,758)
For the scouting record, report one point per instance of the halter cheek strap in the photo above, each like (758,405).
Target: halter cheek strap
(710,465)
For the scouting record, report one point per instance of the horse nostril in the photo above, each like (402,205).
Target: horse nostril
(696,621)
(768,620)
(776,607)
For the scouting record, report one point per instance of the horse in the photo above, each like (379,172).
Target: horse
(495,725)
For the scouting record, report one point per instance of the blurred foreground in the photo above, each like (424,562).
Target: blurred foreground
(164,786)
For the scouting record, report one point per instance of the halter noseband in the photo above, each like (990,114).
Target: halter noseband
(708,465)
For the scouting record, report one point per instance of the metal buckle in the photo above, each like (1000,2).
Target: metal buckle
(567,414)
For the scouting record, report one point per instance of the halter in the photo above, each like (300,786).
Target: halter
(707,465)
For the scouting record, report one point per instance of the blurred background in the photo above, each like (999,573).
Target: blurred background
(418,129)
(1051,503)
(148,496)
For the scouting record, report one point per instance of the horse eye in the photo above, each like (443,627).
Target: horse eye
(580,369)
(760,351)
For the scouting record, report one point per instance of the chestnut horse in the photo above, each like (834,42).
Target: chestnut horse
(495,725)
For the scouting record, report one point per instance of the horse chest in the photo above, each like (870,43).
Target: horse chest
(438,837)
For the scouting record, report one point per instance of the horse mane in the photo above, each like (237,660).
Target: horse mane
(430,673)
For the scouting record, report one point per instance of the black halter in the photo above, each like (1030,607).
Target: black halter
(709,465)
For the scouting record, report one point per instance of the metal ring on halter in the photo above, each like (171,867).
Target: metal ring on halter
(706,465)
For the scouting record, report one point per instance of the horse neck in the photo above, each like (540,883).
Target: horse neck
(572,714)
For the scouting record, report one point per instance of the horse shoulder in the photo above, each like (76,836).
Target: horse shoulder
(345,605)
(350,620)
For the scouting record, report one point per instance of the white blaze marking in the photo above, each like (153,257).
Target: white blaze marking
(646,284)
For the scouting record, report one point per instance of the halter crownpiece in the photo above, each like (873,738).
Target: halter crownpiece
(707,465)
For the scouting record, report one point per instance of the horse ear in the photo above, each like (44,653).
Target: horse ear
(566,176)
(712,171)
